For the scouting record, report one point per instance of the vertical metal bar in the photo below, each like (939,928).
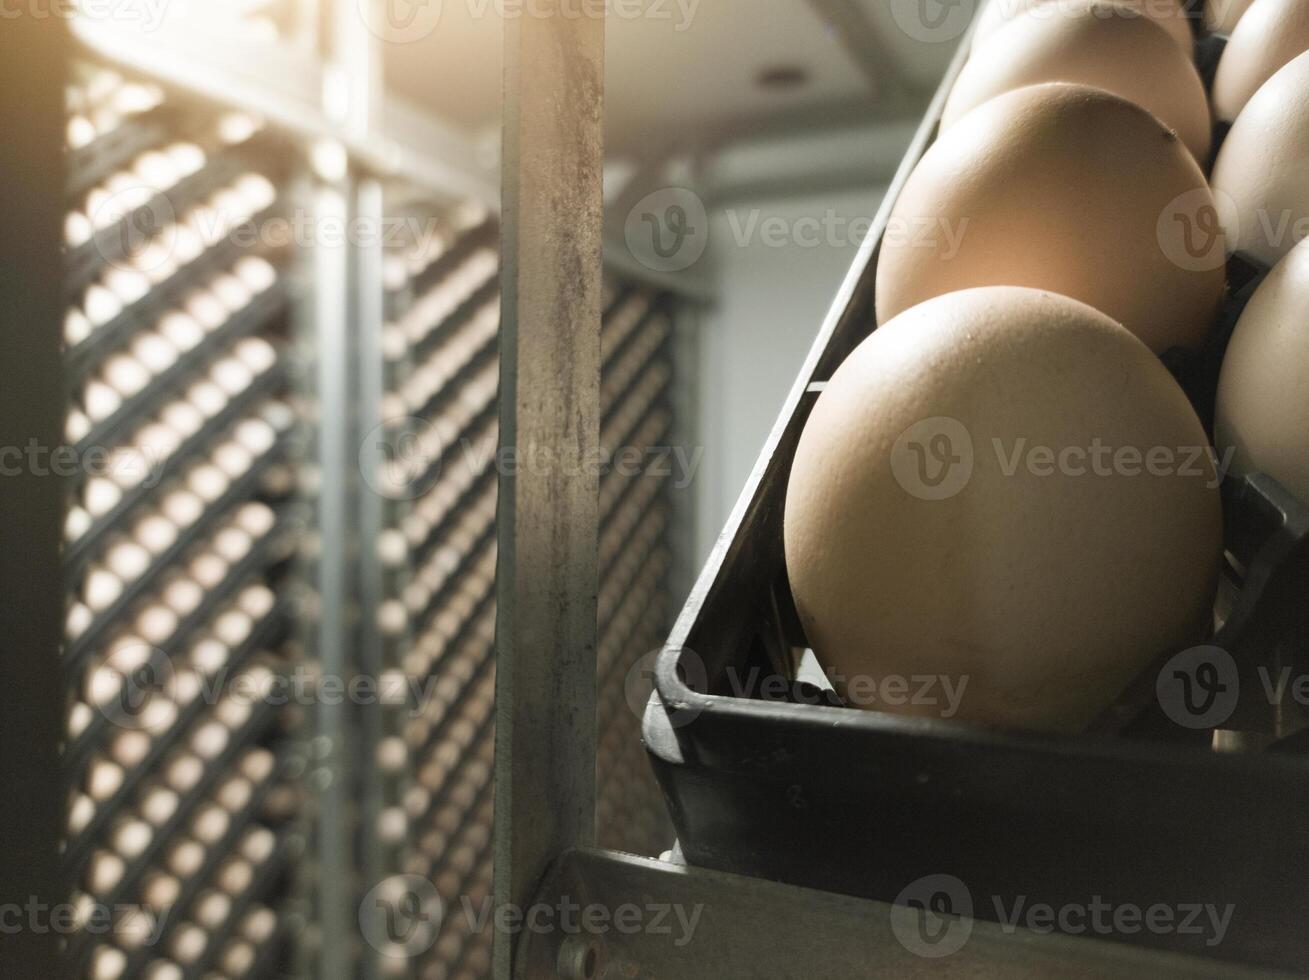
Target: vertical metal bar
(331,269)
(34,53)
(550,434)
(369,314)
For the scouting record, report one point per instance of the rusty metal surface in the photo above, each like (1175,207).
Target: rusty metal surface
(550,428)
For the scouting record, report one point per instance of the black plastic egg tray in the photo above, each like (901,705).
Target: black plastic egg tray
(767,776)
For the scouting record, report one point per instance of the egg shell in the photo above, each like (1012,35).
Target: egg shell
(1263,393)
(1123,52)
(923,536)
(1261,176)
(1065,188)
(1169,14)
(1221,16)
(1270,35)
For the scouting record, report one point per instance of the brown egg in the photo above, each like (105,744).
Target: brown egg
(1169,14)
(1003,489)
(1221,16)
(1065,188)
(1270,35)
(1261,177)
(1263,395)
(1094,43)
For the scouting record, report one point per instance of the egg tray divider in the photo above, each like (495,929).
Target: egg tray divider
(864,803)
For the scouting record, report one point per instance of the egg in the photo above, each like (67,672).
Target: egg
(1221,16)
(1270,35)
(1002,487)
(1092,43)
(1262,413)
(1169,14)
(1065,188)
(1261,176)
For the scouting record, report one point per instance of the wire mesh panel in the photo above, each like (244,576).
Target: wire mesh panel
(436,620)
(181,454)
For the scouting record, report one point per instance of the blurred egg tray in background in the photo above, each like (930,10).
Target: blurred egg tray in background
(777,778)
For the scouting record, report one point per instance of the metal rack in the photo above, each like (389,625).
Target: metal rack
(330,372)
(178,358)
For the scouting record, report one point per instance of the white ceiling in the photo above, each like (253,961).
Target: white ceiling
(674,83)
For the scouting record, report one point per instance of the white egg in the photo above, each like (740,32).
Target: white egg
(209,740)
(76,327)
(183,596)
(187,159)
(77,229)
(100,400)
(107,962)
(208,482)
(234,460)
(183,418)
(155,533)
(232,544)
(103,779)
(231,292)
(207,397)
(181,330)
(256,435)
(257,274)
(233,628)
(127,284)
(80,132)
(256,353)
(209,656)
(188,244)
(101,305)
(156,624)
(101,589)
(158,805)
(80,814)
(257,601)
(127,559)
(208,570)
(77,426)
(237,127)
(155,353)
(132,837)
(101,496)
(157,170)
(232,375)
(183,508)
(127,375)
(258,190)
(79,620)
(207,309)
